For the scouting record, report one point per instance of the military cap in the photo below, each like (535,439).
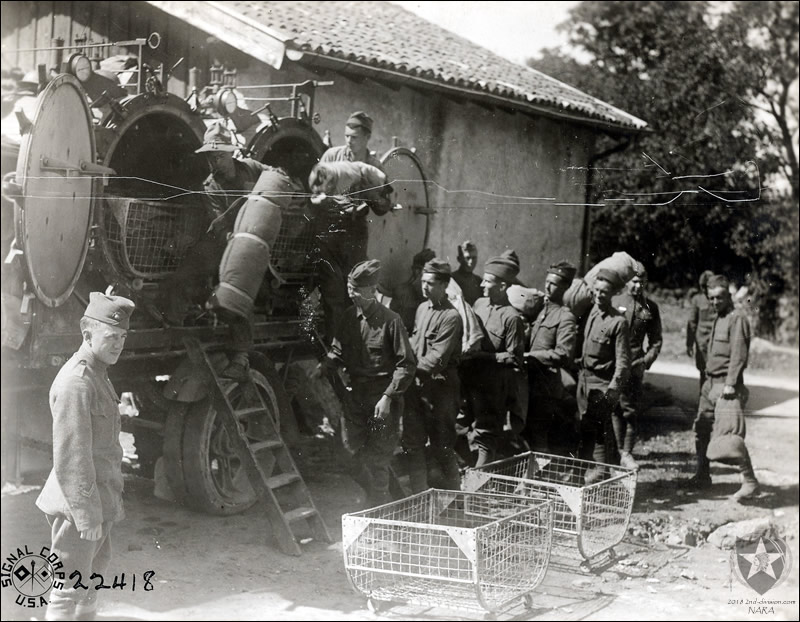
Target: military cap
(113,310)
(526,300)
(437,266)
(639,270)
(707,274)
(564,269)
(365,273)
(217,138)
(422,257)
(360,119)
(610,277)
(718,280)
(505,267)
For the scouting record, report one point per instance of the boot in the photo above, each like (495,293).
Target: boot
(626,460)
(702,477)
(749,487)
(417,471)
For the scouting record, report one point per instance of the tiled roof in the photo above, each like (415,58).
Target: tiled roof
(386,37)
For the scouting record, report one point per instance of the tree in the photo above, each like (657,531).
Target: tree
(714,88)
(763,43)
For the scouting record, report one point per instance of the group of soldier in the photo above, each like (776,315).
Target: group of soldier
(450,350)
(510,385)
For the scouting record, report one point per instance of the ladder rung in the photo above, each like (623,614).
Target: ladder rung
(254,447)
(299,514)
(284,479)
(248,412)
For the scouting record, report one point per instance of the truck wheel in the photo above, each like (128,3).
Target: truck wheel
(214,475)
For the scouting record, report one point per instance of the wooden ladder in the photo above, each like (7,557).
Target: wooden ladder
(267,462)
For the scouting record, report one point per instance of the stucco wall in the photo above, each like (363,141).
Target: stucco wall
(470,153)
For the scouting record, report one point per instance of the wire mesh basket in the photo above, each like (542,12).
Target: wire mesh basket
(291,255)
(148,239)
(597,515)
(450,549)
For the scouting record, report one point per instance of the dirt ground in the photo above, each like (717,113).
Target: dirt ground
(228,568)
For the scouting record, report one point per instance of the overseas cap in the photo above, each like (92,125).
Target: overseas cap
(437,266)
(564,269)
(365,273)
(360,119)
(609,277)
(113,310)
(505,267)
(639,270)
(217,138)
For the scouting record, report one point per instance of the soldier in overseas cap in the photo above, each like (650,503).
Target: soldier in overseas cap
(719,428)
(604,369)
(489,376)
(433,400)
(644,320)
(551,348)
(372,345)
(82,497)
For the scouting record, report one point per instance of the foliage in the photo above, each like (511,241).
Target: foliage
(714,82)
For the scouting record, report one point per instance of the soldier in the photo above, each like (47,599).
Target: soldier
(260,192)
(698,328)
(343,233)
(489,380)
(82,496)
(552,348)
(407,296)
(357,133)
(372,345)
(723,389)
(644,320)
(433,401)
(468,281)
(604,368)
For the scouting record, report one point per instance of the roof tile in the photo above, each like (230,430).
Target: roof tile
(384,35)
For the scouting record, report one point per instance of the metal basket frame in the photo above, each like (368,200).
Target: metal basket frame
(597,515)
(137,245)
(451,549)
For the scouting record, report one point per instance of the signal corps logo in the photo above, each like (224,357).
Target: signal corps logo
(32,575)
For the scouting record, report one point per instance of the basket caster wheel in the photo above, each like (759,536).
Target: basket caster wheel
(527,600)
(375,606)
(490,616)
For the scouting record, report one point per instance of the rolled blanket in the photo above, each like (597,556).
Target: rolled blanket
(578,298)
(356,181)
(527,300)
(247,255)
(472,334)
(620,263)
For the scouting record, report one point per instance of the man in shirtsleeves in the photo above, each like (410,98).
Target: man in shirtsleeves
(604,367)
(434,398)
(552,347)
(489,375)
(372,344)
(724,389)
